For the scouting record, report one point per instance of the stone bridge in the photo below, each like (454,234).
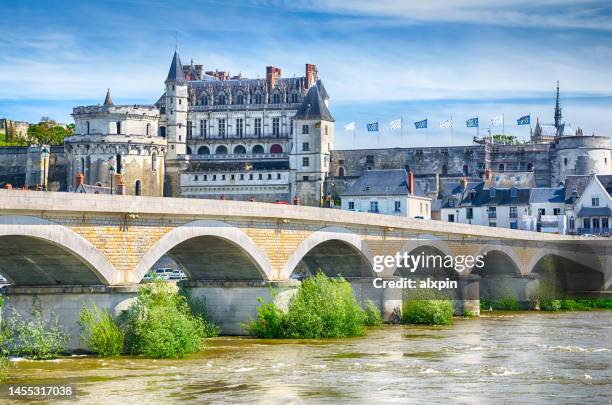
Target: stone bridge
(67,247)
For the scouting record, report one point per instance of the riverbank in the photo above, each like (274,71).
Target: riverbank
(525,356)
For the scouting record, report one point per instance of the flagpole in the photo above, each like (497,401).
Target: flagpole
(503,125)
(452,132)
(401,132)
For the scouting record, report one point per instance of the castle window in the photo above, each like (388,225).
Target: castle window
(203,150)
(222,99)
(195,178)
(565,161)
(529,167)
(154,162)
(221,150)
(148,129)
(222,127)
(87,123)
(239,150)
(291,126)
(326,130)
(179,100)
(119,164)
(233,177)
(275,127)
(305,146)
(258,149)
(258,127)
(294,97)
(260,176)
(501,167)
(257,99)
(276,98)
(214,177)
(223,177)
(305,162)
(241,176)
(162,132)
(269,176)
(239,127)
(304,129)
(341,172)
(251,176)
(444,170)
(189,130)
(203,128)
(137,188)
(83,166)
(278,176)
(466,170)
(239,99)
(205,177)
(118,124)
(276,148)
(189,152)
(304,178)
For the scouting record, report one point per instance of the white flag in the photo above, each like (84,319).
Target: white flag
(396,124)
(446,124)
(350,126)
(497,121)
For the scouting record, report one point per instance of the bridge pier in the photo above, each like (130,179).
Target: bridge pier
(519,287)
(232,304)
(66,303)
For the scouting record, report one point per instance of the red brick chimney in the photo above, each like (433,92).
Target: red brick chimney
(411,182)
(80,179)
(272,75)
(311,74)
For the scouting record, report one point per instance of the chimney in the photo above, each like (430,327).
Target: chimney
(311,74)
(296,200)
(8,186)
(80,179)
(464,182)
(411,182)
(272,75)
(487,173)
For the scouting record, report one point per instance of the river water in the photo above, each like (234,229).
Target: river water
(499,358)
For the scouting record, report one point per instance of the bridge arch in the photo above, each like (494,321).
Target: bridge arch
(50,254)
(199,246)
(320,244)
(500,257)
(427,244)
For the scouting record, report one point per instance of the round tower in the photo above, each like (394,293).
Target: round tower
(582,155)
(114,139)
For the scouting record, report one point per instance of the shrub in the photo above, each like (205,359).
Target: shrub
(33,337)
(198,308)
(507,302)
(160,324)
(550,305)
(372,314)
(100,332)
(4,365)
(321,308)
(428,312)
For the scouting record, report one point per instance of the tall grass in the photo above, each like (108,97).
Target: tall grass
(100,332)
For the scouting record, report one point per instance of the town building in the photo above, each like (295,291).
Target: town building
(547,210)
(389,192)
(589,204)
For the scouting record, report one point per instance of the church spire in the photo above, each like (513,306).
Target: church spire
(108,100)
(175,74)
(558,109)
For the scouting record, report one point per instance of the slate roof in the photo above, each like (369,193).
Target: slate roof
(175,74)
(313,107)
(547,195)
(459,194)
(595,211)
(108,100)
(382,183)
(580,182)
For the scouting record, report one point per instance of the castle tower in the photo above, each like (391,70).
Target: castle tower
(176,109)
(310,155)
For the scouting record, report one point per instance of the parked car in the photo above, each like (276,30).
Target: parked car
(177,275)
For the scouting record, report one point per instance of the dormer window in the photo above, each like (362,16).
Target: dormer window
(451,203)
(595,201)
(472,195)
(276,98)
(513,192)
(492,193)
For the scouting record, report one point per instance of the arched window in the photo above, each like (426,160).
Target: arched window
(221,98)
(239,99)
(276,148)
(83,166)
(257,99)
(221,150)
(294,97)
(444,169)
(137,188)
(162,132)
(239,150)
(189,152)
(341,171)
(258,149)
(87,124)
(565,161)
(501,167)
(154,162)
(529,167)
(118,127)
(119,167)
(466,170)
(148,129)
(276,98)
(203,150)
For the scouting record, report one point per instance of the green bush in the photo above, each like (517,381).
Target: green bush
(428,312)
(372,314)
(550,305)
(198,308)
(100,332)
(4,365)
(507,302)
(321,308)
(160,324)
(33,337)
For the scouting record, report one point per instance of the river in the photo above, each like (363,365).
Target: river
(524,357)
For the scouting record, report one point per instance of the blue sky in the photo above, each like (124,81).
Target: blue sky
(378,60)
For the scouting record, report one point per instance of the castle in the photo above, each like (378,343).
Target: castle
(212,135)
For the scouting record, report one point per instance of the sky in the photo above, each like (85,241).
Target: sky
(379,60)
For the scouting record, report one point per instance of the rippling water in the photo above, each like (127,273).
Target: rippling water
(498,358)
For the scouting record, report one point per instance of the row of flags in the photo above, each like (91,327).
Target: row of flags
(470,123)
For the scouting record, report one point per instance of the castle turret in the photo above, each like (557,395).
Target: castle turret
(310,155)
(176,109)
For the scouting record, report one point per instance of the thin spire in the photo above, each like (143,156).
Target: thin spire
(175,74)
(558,109)
(108,100)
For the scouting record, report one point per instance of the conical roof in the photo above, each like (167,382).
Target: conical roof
(313,107)
(175,74)
(108,100)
